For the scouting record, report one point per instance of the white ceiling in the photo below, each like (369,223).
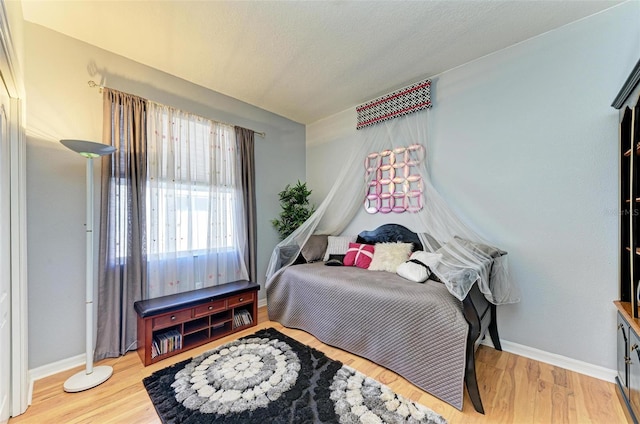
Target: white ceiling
(305,60)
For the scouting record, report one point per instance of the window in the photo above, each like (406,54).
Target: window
(173,216)
(195,229)
(191,223)
(191,220)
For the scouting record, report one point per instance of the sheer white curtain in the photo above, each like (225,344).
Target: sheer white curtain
(463,262)
(196,234)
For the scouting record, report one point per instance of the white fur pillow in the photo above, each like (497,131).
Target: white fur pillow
(388,256)
(338,245)
(419,266)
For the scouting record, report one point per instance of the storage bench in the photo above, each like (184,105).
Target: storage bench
(171,324)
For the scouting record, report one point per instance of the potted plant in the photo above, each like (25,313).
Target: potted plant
(296,209)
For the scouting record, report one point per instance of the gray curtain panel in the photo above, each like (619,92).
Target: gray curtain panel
(245,140)
(122,262)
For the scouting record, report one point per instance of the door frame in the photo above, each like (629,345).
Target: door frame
(13,79)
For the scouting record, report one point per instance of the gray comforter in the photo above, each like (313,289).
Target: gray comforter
(417,330)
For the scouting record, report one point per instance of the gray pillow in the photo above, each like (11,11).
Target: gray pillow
(314,248)
(435,244)
(491,251)
(338,245)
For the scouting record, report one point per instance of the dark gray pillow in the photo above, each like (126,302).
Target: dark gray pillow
(314,248)
(337,257)
(335,260)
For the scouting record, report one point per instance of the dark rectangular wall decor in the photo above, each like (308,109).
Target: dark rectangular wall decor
(401,102)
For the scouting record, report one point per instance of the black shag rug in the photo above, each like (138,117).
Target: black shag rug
(271,378)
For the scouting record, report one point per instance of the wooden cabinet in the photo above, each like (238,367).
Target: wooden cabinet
(628,359)
(634,374)
(628,104)
(629,207)
(628,325)
(623,353)
(172,324)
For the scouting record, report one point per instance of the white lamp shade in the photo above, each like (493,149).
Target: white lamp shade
(88,149)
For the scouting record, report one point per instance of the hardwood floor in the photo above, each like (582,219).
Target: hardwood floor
(514,389)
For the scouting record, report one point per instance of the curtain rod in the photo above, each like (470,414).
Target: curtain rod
(93,84)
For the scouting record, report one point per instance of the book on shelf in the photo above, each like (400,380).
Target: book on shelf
(242,317)
(166,342)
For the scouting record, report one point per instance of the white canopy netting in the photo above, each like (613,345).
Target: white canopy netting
(466,257)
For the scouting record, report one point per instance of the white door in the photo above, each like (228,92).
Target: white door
(5,257)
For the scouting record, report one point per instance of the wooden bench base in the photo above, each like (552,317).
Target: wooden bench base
(171,324)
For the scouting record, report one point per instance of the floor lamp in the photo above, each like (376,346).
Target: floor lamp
(91,376)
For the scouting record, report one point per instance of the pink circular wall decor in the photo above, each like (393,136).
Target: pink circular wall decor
(396,185)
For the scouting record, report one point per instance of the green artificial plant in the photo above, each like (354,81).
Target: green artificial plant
(296,209)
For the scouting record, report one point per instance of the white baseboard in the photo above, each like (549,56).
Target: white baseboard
(571,364)
(53,368)
(581,367)
(66,364)
(56,367)
(575,365)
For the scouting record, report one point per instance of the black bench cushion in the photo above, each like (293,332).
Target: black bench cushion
(174,302)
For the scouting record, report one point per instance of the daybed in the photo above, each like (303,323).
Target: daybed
(418,330)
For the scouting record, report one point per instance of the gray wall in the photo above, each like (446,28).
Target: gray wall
(523,145)
(61,105)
